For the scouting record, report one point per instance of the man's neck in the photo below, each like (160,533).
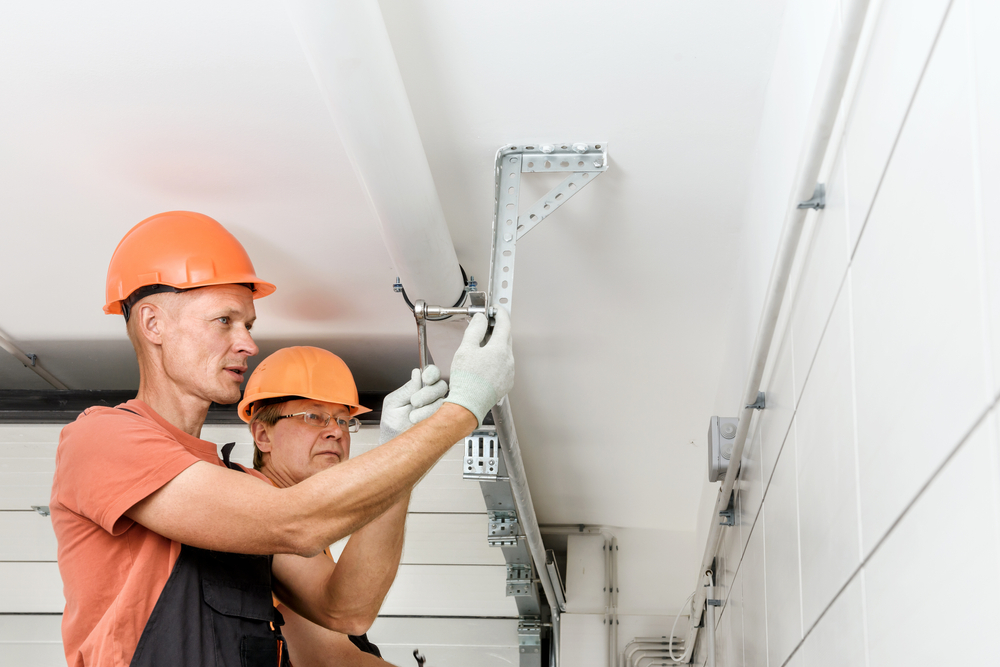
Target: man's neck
(275,478)
(184,411)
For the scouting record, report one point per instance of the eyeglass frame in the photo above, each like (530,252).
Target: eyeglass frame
(352,425)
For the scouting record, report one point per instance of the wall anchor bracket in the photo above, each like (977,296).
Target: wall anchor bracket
(818,200)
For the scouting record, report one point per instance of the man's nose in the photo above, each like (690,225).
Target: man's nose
(246,345)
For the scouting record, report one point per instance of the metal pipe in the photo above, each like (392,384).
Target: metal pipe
(612,649)
(658,645)
(648,654)
(826,106)
(614,601)
(526,516)
(31,362)
(348,49)
(420,315)
(710,619)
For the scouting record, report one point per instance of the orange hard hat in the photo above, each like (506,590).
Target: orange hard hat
(305,372)
(176,251)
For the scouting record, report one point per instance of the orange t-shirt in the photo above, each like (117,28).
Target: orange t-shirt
(113,569)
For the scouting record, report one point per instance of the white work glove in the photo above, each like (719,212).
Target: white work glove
(410,404)
(483,374)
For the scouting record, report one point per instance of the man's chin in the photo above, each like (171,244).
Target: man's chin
(226,396)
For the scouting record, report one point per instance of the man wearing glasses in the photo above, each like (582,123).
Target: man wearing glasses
(301,404)
(164,550)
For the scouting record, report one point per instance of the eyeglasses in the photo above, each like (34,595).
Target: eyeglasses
(322,420)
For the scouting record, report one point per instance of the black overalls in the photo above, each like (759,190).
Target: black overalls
(215,610)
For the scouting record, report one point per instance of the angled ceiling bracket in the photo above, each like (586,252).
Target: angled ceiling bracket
(582,162)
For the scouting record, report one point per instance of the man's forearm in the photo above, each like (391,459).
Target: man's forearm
(368,565)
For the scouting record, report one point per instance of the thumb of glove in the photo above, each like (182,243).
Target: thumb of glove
(396,409)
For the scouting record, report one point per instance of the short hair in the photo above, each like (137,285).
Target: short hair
(266,411)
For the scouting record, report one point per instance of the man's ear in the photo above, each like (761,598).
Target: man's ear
(261,437)
(148,321)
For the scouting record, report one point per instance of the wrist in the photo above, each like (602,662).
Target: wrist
(459,415)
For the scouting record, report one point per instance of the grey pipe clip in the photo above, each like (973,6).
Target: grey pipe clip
(818,200)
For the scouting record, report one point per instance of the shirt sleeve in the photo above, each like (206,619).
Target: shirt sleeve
(111,459)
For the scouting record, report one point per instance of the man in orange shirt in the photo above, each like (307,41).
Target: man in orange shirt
(301,404)
(164,551)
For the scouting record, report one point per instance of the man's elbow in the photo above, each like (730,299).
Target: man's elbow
(304,539)
(355,623)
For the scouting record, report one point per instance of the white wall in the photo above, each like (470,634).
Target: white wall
(869,530)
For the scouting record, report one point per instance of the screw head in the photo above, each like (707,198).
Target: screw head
(548,148)
(580,148)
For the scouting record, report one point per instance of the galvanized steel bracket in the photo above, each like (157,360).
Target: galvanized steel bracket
(518,579)
(583,162)
(503,528)
(529,635)
(482,456)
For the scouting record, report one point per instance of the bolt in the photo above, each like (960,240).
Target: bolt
(471,287)
(598,163)
(548,148)
(580,148)
(397,286)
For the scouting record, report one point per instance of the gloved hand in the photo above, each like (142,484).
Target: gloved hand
(398,408)
(483,374)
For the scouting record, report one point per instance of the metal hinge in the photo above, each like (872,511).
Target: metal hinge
(482,456)
(518,579)
(529,635)
(503,528)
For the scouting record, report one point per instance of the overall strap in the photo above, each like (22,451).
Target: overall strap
(227,449)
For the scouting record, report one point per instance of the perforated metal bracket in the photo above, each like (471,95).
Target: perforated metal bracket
(582,161)
(503,528)
(482,454)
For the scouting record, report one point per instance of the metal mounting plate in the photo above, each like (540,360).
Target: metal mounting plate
(503,528)
(482,454)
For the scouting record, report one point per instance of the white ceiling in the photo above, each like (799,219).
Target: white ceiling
(113,111)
